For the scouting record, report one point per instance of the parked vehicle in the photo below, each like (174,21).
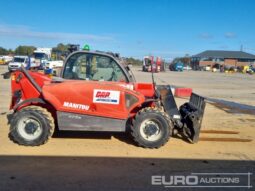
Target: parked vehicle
(17,62)
(178,66)
(148,61)
(149,64)
(250,70)
(6,59)
(42,59)
(41,56)
(2,61)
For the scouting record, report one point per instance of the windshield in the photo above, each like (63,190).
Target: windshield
(18,59)
(39,55)
(84,66)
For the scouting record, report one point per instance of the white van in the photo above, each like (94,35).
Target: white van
(17,61)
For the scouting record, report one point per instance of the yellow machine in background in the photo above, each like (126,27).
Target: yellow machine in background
(245,69)
(2,61)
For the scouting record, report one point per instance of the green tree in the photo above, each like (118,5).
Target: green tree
(60,48)
(10,51)
(24,50)
(60,51)
(133,61)
(3,51)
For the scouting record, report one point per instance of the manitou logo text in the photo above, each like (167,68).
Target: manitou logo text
(106,96)
(76,106)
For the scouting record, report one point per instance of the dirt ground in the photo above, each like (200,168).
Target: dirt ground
(105,161)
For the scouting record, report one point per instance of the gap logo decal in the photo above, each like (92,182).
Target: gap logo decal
(106,96)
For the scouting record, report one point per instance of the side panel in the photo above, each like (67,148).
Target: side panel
(27,84)
(78,122)
(22,88)
(88,98)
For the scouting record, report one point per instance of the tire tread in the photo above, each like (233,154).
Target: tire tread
(14,136)
(136,136)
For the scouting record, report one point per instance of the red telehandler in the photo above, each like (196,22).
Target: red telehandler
(97,92)
(151,65)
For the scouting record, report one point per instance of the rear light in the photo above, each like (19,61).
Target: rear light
(130,100)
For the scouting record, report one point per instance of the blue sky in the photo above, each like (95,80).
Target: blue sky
(136,28)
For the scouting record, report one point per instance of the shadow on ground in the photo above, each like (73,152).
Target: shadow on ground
(6,75)
(123,137)
(232,107)
(104,173)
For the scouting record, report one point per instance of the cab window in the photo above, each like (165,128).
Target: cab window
(83,66)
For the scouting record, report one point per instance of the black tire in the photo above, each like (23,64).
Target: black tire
(33,115)
(159,119)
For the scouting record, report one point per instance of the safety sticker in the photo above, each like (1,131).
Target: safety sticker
(106,96)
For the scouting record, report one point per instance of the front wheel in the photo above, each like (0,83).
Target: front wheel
(151,128)
(31,126)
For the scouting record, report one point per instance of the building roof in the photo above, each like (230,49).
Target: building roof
(224,54)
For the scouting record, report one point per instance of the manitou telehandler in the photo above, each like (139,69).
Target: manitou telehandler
(97,92)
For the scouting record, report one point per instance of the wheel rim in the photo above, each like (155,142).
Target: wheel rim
(29,128)
(151,130)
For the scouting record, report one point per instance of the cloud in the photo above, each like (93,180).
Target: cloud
(206,36)
(26,32)
(230,35)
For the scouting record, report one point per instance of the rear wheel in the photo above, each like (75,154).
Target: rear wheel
(32,126)
(151,128)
